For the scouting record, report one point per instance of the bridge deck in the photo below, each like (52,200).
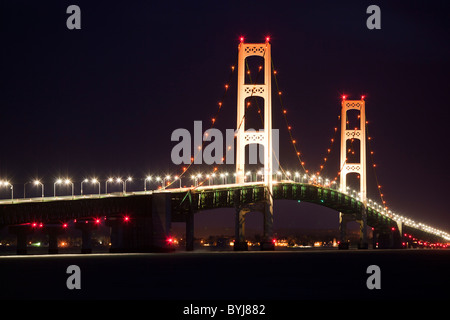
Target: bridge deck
(193,199)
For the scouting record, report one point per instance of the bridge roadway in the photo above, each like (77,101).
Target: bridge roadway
(140,221)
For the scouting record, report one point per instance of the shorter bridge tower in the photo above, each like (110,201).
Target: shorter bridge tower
(358,167)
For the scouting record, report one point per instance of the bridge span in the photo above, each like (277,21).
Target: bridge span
(141,221)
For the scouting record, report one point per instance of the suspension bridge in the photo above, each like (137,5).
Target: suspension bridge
(140,221)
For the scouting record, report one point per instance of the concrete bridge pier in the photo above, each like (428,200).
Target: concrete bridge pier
(240,244)
(161,223)
(190,231)
(266,209)
(53,231)
(268,244)
(86,229)
(363,241)
(383,239)
(21,231)
(117,234)
(343,220)
(387,238)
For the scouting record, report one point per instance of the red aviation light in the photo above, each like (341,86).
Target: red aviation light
(267,39)
(241,39)
(126,218)
(344,97)
(64,225)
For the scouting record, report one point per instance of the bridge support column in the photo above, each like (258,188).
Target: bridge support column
(22,232)
(396,235)
(383,238)
(117,235)
(363,242)
(387,237)
(53,231)
(240,244)
(343,220)
(374,238)
(86,234)
(190,231)
(267,244)
(161,221)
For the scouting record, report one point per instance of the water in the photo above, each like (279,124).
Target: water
(281,275)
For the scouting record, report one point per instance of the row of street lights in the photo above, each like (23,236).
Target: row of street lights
(93,181)
(296,177)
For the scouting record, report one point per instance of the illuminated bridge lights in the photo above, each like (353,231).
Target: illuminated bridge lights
(37,225)
(227,179)
(172,241)
(415,242)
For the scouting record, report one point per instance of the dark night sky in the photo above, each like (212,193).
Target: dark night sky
(105,99)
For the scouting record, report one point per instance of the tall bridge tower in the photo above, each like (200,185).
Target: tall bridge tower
(264,137)
(358,167)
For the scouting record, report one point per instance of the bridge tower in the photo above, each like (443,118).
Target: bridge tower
(263,137)
(347,167)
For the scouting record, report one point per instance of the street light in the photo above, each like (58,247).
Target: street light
(5,184)
(288,175)
(36,183)
(24,188)
(148,178)
(84,181)
(119,180)
(178,178)
(164,181)
(106,184)
(94,181)
(67,182)
(249,174)
(59,181)
(125,184)
(261,174)
(158,179)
